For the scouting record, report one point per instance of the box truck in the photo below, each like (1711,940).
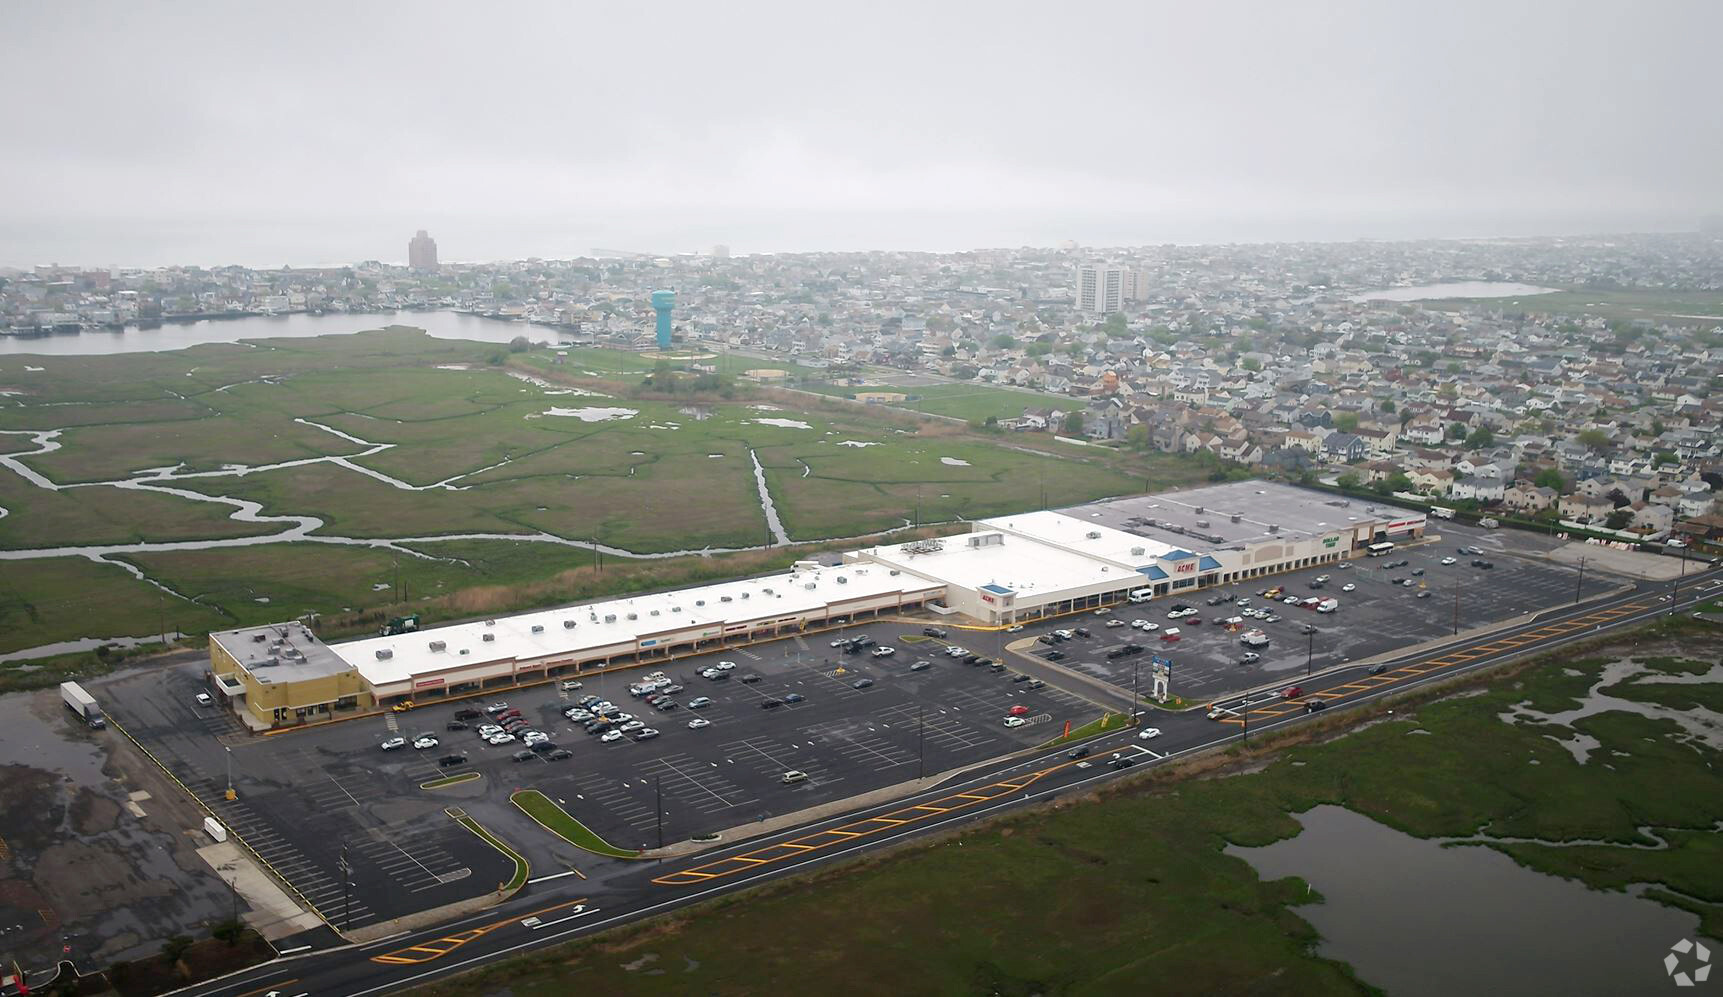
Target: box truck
(82,703)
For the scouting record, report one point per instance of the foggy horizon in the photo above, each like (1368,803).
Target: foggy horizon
(207,135)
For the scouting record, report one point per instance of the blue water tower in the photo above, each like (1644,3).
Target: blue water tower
(662,303)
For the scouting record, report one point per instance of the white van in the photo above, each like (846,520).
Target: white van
(1141,595)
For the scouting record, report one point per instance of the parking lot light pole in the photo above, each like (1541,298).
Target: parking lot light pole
(346,889)
(1133,720)
(921,742)
(1456,610)
(1579,582)
(231,795)
(1309,653)
(658,788)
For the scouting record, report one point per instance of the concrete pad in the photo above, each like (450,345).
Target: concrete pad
(1633,563)
(272,914)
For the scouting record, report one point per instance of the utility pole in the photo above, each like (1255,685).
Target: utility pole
(1244,714)
(1456,609)
(921,742)
(1675,593)
(233,899)
(1309,653)
(1579,582)
(658,788)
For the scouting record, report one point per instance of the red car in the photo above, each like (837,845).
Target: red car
(1018,710)
(1292,692)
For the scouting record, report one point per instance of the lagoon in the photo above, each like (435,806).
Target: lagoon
(1460,289)
(178,336)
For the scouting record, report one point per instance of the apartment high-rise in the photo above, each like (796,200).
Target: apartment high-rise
(422,252)
(1104,287)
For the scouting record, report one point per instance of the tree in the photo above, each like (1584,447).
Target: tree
(1399,482)
(1619,519)
(1116,326)
(1457,431)
(1074,424)
(1593,439)
(1481,438)
(1137,437)
(1550,477)
(1346,422)
(1618,498)
(175,947)
(1388,406)
(1349,481)
(1076,351)
(1004,341)
(1657,427)
(1381,486)
(1663,457)
(1251,364)
(519,344)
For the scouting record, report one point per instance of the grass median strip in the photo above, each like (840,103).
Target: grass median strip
(450,780)
(522,867)
(557,821)
(1100,725)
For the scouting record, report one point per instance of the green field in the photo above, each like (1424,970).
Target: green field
(969,401)
(395,436)
(1134,893)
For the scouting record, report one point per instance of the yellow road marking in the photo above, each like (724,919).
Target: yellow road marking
(405,956)
(795,848)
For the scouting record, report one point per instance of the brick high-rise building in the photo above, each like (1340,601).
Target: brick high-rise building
(422,252)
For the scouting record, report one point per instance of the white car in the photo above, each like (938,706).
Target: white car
(1015,628)
(578,716)
(1349,587)
(502,738)
(610,735)
(955,652)
(203,699)
(571,685)
(425,742)
(699,722)
(884,651)
(489,730)
(710,673)
(840,642)
(1116,623)
(1344,566)
(1148,627)
(1149,734)
(1448,560)
(394,742)
(1217,713)
(533,737)
(726,666)
(1290,600)
(630,726)
(1014,721)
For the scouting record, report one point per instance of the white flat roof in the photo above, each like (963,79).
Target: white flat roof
(1035,571)
(1074,534)
(799,591)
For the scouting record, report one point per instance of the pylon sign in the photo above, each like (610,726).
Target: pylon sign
(1161,678)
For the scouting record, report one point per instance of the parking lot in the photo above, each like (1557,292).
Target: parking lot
(1379,615)
(302,794)
(847,740)
(302,798)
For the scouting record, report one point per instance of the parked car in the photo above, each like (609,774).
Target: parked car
(558,755)
(424,741)
(1015,721)
(750,678)
(468,714)
(699,722)
(394,742)
(523,756)
(770,704)
(454,725)
(699,702)
(631,726)
(611,735)
(449,761)
(645,734)
(862,684)
(884,651)
(794,697)
(571,685)
(921,666)
(500,739)
(793,775)
(544,747)
(1018,710)
(1054,655)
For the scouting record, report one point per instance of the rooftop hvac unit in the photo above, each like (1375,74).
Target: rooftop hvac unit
(744,595)
(490,623)
(1236,517)
(655,612)
(465,651)
(1138,551)
(767,590)
(384,654)
(809,586)
(676,609)
(1093,535)
(699,602)
(438,645)
(538,628)
(841,581)
(487,638)
(610,617)
(1274,527)
(724,598)
(1202,524)
(894,572)
(568,624)
(634,616)
(259,638)
(1198,510)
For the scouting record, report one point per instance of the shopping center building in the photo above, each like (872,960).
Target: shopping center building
(1005,570)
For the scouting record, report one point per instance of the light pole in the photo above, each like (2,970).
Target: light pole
(1579,582)
(658,788)
(346,889)
(231,795)
(1309,653)
(1675,593)
(1456,609)
(1133,721)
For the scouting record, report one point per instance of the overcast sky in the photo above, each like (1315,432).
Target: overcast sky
(302,132)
